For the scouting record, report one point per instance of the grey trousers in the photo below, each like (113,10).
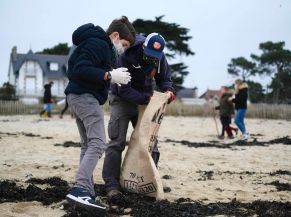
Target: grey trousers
(90,122)
(122,112)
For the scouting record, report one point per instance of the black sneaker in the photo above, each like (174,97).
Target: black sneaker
(82,198)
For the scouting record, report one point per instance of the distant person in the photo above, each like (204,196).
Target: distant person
(65,109)
(47,100)
(226,111)
(148,67)
(90,71)
(240,102)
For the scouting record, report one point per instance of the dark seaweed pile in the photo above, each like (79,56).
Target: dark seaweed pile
(205,175)
(137,205)
(281,172)
(25,134)
(167,177)
(280,186)
(11,192)
(284,140)
(69,144)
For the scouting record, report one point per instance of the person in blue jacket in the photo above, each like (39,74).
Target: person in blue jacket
(148,67)
(90,71)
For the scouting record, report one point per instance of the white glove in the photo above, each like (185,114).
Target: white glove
(120,76)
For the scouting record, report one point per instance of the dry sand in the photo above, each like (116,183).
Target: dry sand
(23,157)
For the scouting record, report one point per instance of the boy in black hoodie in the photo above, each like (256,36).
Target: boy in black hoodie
(90,71)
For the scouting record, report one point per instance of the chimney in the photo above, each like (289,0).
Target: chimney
(14,53)
(194,93)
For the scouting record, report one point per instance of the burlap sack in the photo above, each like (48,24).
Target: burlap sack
(138,172)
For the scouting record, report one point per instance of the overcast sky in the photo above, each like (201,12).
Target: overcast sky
(221,29)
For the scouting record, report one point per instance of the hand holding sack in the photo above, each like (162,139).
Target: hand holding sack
(172,96)
(120,76)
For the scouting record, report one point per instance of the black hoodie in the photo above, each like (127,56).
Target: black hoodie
(241,97)
(91,59)
(47,97)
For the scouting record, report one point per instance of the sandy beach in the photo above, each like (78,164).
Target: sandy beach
(207,174)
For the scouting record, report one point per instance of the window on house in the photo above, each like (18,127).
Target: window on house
(30,68)
(54,66)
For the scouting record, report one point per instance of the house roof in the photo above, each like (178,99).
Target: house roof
(17,61)
(209,94)
(186,93)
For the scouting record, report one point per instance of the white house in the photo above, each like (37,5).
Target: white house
(30,72)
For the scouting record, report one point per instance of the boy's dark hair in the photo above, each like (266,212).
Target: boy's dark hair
(124,28)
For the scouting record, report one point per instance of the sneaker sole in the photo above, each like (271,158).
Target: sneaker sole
(244,139)
(80,203)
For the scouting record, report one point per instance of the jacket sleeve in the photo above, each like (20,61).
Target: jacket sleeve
(230,105)
(86,64)
(163,77)
(130,94)
(126,91)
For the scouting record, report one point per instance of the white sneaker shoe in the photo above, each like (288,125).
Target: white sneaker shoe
(245,136)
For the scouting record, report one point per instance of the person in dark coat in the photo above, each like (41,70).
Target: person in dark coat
(226,111)
(47,99)
(240,102)
(148,67)
(90,71)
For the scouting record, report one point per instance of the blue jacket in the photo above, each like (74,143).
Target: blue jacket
(141,86)
(91,59)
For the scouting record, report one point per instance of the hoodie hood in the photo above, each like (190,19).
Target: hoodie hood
(87,31)
(139,39)
(135,52)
